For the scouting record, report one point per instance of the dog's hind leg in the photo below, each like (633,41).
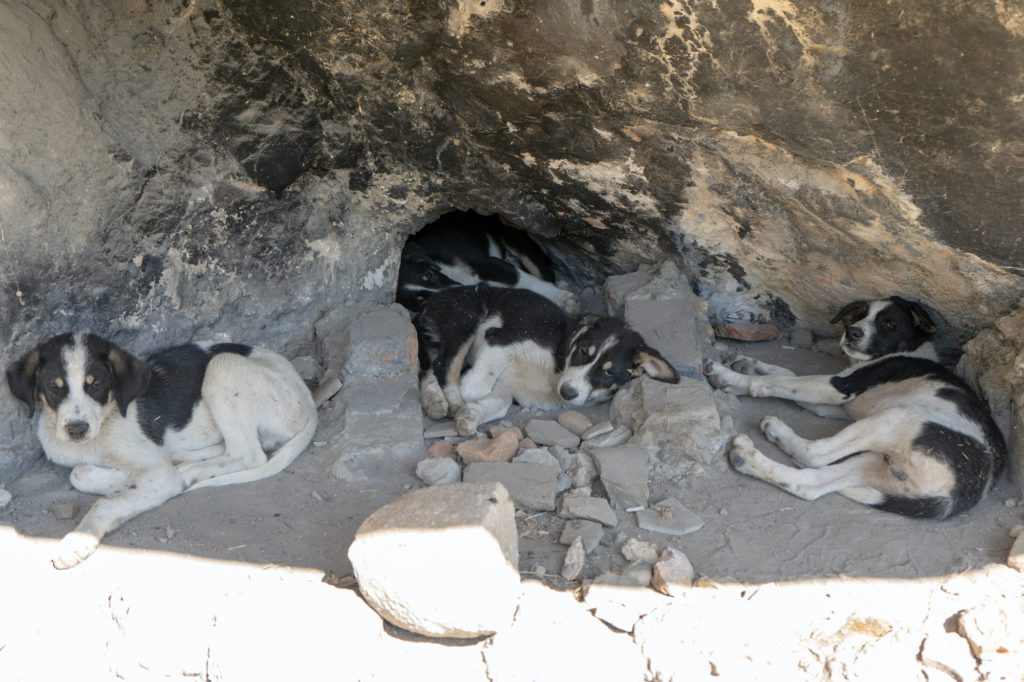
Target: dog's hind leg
(884,432)
(855,474)
(486,409)
(147,490)
(96,480)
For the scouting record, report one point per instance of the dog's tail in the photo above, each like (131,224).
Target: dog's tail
(284,455)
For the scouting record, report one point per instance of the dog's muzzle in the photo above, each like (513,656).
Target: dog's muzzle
(567,392)
(77,430)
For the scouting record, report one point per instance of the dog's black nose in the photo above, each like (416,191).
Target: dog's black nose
(854,333)
(568,392)
(77,430)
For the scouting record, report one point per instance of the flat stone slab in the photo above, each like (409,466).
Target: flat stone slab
(441,561)
(669,517)
(587,507)
(442,429)
(590,531)
(548,432)
(530,486)
(598,429)
(537,456)
(623,470)
(610,439)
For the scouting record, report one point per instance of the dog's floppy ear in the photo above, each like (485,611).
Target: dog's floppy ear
(21,378)
(650,362)
(131,377)
(850,311)
(917,312)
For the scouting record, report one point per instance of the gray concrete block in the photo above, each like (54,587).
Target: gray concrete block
(530,486)
(375,341)
(442,562)
(549,432)
(623,471)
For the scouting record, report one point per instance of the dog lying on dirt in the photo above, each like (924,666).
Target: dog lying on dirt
(464,248)
(520,346)
(139,433)
(922,442)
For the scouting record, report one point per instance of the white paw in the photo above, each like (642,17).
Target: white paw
(466,423)
(570,303)
(74,549)
(435,406)
(775,430)
(744,365)
(723,378)
(742,453)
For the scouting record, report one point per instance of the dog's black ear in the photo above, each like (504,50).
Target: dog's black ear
(650,362)
(21,378)
(850,311)
(131,377)
(920,316)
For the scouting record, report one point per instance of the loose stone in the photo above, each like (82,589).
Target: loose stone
(614,438)
(441,429)
(441,448)
(638,550)
(500,449)
(590,532)
(438,470)
(548,432)
(574,559)
(673,573)
(669,517)
(577,422)
(598,429)
(574,506)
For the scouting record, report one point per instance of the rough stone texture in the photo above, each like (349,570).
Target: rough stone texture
(5,498)
(531,486)
(747,331)
(802,338)
(596,430)
(574,505)
(996,635)
(574,421)
(671,318)
(590,531)
(574,558)
(441,561)
(949,653)
(994,366)
(549,432)
(617,436)
(241,168)
(442,429)
(438,470)
(621,600)
(537,456)
(623,471)
(673,573)
(1015,559)
(501,449)
(554,638)
(638,550)
(681,421)
(441,448)
(670,517)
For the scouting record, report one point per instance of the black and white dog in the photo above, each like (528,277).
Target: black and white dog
(465,248)
(139,433)
(922,442)
(520,346)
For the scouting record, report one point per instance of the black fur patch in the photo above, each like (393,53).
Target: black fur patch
(888,370)
(972,463)
(916,507)
(176,386)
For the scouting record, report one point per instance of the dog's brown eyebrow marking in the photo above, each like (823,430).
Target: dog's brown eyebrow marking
(592,351)
(58,382)
(89,380)
(607,366)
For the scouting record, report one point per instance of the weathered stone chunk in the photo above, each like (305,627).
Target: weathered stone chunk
(442,429)
(598,429)
(638,550)
(680,419)
(548,432)
(590,531)
(673,573)
(531,486)
(620,601)
(574,421)
(537,456)
(617,436)
(441,561)
(438,470)
(1016,558)
(574,558)
(669,517)
(574,506)
(500,449)
(623,470)
(441,448)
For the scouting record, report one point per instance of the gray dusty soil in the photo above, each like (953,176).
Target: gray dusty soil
(304,518)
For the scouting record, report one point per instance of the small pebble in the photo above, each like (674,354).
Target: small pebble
(638,550)
(577,422)
(65,510)
(170,533)
(574,559)
(538,569)
(598,429)
(1010,502)
(5,498)
(441,448)
(438,471)
(527,444)
(496,430)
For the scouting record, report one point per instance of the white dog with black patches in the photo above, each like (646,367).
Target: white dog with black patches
(922,442)
(481,348)
(139,433)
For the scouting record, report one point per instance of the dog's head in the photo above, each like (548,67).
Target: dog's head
(601,354)
(888,325)
(80,378)
(419,278)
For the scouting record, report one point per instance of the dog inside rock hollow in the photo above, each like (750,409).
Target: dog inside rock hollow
(482,347)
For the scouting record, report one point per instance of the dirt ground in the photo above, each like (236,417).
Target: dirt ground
(754,533)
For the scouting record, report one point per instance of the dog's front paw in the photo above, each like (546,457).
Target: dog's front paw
(466,423)
(775,430)
(742,453)
(744,365)
(724,379)
(435,406)
(75,548)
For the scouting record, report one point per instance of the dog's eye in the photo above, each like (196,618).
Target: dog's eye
(890,325)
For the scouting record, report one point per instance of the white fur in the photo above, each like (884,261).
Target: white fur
(247,405)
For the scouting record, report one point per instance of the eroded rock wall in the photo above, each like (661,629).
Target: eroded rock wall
(179,170)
